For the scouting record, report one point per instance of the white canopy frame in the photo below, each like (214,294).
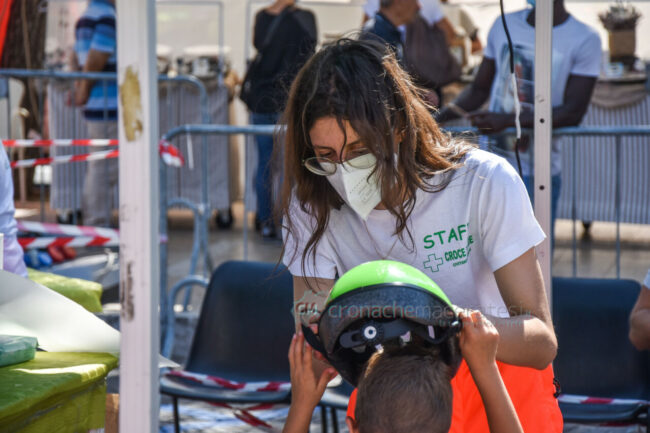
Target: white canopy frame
(139,204)
(139,210)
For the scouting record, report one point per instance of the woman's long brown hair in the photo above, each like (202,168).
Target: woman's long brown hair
(361,82)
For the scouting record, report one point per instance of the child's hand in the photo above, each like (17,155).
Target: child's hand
(306,389)
(478,340)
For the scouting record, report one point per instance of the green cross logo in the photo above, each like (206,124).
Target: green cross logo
(433,263)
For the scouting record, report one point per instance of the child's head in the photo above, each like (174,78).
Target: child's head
(404,390)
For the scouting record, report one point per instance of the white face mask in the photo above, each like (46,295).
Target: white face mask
(354,187)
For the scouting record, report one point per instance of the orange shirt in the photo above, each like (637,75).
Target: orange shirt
(530,390)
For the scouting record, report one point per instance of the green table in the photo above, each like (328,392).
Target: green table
(55,393)
(88,294)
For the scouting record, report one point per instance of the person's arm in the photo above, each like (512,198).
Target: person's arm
(95,62)
(479,340)
(527,337)
(310,296)
(448,29)
(471,30)
(640,318)
(74,62)
(576,101)
(475,95)
(306,388)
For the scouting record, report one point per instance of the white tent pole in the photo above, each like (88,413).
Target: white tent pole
(139,207)
(543,132)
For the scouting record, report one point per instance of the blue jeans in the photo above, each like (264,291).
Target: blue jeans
(263,181)
(556,186)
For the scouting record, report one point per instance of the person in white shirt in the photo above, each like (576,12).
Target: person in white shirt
(576,61)
(640,318)
(368,175)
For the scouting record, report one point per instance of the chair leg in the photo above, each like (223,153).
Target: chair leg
(335,420)
(177,419)
(323,419)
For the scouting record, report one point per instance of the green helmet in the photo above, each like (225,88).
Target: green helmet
(380,303)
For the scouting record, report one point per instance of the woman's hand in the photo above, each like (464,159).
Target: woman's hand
(306,388)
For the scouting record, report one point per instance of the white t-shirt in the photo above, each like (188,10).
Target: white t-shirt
(576,51)
(429,9)
(480,222)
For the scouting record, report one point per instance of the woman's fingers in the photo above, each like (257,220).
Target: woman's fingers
(307,356)
(292,350)
(319,356)
(325,377)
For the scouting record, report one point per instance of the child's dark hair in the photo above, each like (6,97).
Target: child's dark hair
(404,390)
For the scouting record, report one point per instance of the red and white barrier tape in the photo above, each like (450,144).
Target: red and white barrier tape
(582,399)
(60,142)
(74,242)
(240,412)
(95,156)
(205,379)
(67,230)
(243,414)
(170,156)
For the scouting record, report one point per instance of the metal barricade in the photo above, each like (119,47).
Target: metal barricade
(640,189)
(76,126)
(200,204)
(190,281)
(201,221)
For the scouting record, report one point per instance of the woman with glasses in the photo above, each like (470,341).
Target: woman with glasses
(368,175)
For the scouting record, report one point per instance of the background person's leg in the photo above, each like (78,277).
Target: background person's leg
(97,200)
(263,181)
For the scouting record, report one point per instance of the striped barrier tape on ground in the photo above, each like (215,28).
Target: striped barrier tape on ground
(74,242)
(60,142)
(169,154)
(205,379)
(582,399)
(241,412)
(67,230)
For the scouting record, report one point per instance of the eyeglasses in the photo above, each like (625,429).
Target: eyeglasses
(360,159)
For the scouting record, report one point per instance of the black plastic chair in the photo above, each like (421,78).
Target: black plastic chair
(335,398)
(242,335)
(595,357)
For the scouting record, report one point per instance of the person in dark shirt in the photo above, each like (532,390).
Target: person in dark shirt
(284,47)
(385,24)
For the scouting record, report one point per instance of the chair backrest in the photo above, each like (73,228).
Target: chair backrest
(246,324)
(595,356)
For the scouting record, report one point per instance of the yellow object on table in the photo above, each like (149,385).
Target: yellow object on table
(55,392)
(86,293)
